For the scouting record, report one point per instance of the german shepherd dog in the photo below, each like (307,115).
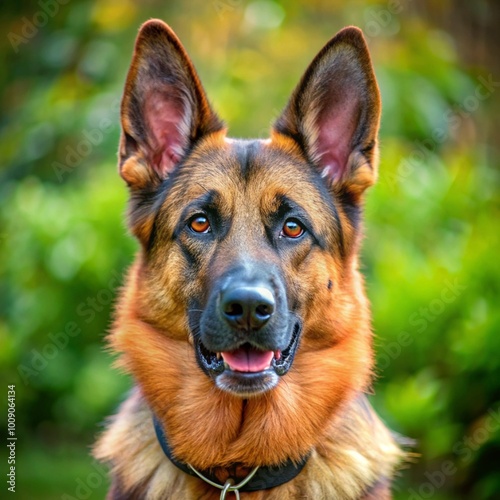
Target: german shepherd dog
(243,320)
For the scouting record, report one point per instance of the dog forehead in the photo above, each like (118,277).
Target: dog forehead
(250,180)
(250,168)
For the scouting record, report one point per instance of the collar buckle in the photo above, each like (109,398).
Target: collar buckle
(229,485)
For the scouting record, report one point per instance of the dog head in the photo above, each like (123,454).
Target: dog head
(248,265)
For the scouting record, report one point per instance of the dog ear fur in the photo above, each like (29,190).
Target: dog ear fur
(334,114)
(164,108)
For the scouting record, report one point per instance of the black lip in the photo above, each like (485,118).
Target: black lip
(208,360)
(214,366)
(282,365)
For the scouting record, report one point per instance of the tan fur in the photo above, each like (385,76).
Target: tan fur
(355,451)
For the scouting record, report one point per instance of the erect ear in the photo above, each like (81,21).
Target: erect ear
(334,114)
(164,108)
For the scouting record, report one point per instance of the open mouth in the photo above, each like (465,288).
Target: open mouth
(248,370)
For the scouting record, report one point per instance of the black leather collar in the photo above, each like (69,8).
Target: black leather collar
(264,479)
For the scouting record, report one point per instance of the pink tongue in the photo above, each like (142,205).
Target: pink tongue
(248,360)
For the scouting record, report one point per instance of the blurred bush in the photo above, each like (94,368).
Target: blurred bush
(431,222)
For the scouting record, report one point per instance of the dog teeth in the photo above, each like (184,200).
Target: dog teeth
(218,355)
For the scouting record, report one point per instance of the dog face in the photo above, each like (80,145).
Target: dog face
(248,266)
(253,256)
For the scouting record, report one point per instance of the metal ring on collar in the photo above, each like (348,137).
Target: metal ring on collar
(228,486)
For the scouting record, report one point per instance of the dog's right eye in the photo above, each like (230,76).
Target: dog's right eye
(200,224)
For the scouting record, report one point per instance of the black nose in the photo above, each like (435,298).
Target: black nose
(247,307)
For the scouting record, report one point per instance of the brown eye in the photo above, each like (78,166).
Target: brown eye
(200,224)
(292,229)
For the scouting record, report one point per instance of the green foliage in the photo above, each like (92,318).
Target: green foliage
(431,221)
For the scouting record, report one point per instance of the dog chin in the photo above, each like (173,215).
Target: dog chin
(247,385)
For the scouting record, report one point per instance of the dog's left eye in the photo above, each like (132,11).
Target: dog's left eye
(292,229)
(200,224)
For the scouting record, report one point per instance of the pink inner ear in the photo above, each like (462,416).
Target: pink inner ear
(336,125)
(166,118)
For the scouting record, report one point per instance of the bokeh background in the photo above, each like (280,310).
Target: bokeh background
(431,255)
